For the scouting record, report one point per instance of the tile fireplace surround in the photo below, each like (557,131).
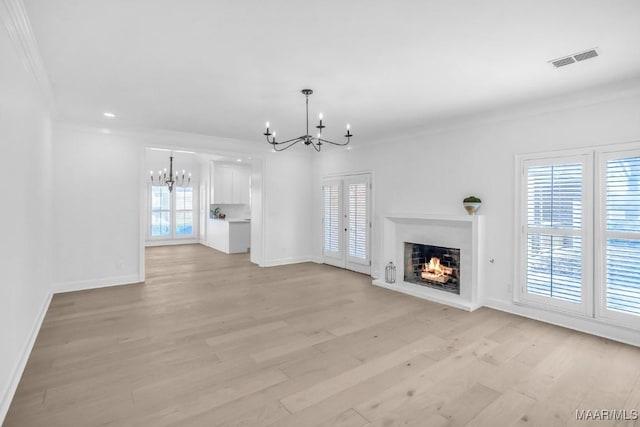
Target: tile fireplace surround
(464,232)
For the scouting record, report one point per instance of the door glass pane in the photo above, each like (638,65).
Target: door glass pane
(358,220)
(331,218)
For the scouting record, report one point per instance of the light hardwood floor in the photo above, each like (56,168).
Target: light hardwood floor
(212,340)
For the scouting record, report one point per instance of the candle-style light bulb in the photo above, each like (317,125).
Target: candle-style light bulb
(348,126)
(267,125)
(151,172)
(320,116)
(274,135)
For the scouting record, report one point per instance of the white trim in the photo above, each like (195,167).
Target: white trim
(82,285)
(14,15)
(142,205)
(10,390)
(287,261)
(582,324)
(428,294)
(191,241)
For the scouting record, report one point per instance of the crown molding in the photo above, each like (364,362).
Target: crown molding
(14,15)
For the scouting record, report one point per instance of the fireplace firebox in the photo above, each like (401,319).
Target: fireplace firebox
(432,266)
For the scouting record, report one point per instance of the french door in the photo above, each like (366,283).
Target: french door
(347,222)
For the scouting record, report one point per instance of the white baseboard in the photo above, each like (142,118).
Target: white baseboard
(83,285)
(149,243)
(10,391)
(286,261)
(586,325)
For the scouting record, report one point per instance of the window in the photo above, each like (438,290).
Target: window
(160,211)
(620,234)
(171,213)
(555,232)
(570,259)
(184,211)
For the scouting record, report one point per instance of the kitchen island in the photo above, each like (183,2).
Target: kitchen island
(231,236)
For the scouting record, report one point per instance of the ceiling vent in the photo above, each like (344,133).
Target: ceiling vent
(572,59)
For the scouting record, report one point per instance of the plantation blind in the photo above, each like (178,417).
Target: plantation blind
(554,238)
(358,220)
(332,218)
(622,235)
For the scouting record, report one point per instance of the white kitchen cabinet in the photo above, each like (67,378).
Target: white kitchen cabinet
(241,185)
(229,236)
(230,183)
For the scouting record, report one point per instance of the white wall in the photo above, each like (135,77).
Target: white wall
(432,172)
(96,209)
(25,246)
(102,180)
(287,204)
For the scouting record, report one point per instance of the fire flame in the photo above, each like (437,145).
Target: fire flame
(433,270)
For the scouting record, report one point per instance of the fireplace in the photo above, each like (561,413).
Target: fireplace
(436,267)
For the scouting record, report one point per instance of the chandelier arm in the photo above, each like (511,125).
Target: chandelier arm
(276,147)
(335,143)
(298,139)
(316,146)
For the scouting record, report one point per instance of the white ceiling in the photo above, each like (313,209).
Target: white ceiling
(224,67)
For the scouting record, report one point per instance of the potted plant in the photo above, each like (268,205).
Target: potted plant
(471,204)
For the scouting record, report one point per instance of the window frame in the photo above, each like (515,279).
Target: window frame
(520,295)
(172,215)
(603,155)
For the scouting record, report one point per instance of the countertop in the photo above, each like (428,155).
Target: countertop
(231,219)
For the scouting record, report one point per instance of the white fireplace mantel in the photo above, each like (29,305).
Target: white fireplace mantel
(459,231)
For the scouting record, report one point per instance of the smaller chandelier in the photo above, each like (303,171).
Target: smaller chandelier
(315,142)
(170,179)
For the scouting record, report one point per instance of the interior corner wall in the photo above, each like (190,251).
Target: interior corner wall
(287,208)
(25,246)
(96,210)
(432,172)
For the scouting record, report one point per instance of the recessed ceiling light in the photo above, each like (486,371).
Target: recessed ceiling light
(111,115)
(238,160)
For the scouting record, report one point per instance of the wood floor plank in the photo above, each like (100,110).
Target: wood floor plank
(212,340)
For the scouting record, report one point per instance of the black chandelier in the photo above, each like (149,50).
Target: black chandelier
(315,142)
(170,179)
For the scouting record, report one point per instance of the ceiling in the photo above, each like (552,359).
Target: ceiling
(224,67)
